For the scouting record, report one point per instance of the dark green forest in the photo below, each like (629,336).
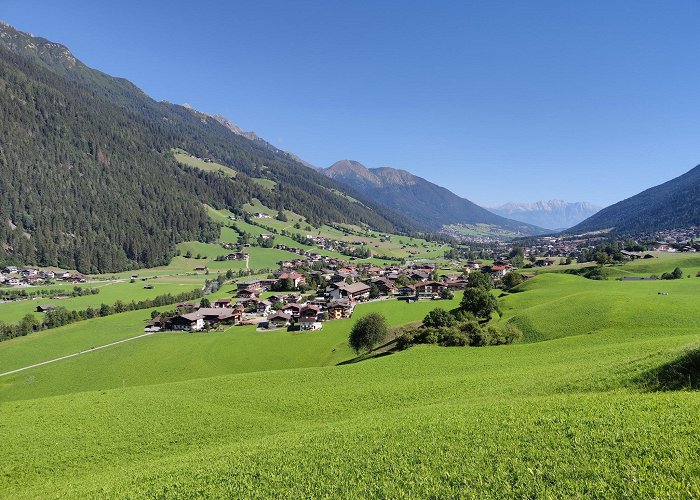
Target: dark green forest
(88,180)
(673,204)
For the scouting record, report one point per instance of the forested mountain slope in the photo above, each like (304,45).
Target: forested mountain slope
(89,181)
(673,204)
(418,198)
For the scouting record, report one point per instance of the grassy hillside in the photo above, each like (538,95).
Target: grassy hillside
(50,344)
(179,356)
(561,418)
(558,305)
(246,414)
(663,262)
(391,246)
(185,158)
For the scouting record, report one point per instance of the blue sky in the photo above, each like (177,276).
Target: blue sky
(498,101)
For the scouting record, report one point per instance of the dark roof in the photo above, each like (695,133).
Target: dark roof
(429,283)
(279,315)
(356,288)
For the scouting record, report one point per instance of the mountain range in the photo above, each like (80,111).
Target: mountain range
(428,203)
(551,214)
(89,180)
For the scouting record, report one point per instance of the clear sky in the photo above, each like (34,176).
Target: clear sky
(498,101)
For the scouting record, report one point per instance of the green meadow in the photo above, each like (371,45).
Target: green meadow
(180,356)
(559,305)
(578,408)
(390,248)
(76,337)
(662,262)
(12,312)
(184,157)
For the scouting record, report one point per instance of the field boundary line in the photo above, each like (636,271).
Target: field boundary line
(79,353)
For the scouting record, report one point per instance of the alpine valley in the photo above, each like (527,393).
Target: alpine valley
(189,311)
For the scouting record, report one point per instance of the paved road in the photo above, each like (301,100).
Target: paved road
(85,351)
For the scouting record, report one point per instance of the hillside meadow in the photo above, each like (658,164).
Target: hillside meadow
(179,356)
(110,292)
(576,409)
(557,305)
(559,418)
(662,262)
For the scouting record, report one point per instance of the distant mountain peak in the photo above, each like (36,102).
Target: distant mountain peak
(345,169)
(42,48)
(383,176)
(235,128)
(552,214)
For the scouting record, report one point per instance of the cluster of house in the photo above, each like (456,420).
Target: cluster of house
(15,276)
(197,319)
(499,268)
(673,240)
(551,246)
(347,285)
(237,256)
(335,245)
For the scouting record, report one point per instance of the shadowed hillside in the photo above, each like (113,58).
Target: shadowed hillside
(418,198)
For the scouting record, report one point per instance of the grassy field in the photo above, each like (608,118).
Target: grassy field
(558,305)
(570,417)
(57,342)
(576,409)
(184,157)
(180,356)
(12,312)
(266,183)
(663,262)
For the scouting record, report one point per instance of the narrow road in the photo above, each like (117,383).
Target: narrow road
(85,351)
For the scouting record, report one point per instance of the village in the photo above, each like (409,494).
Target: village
(684,240)
(29,276)
(305,293)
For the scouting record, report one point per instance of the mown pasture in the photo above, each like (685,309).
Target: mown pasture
(179,356)
(110,292)
(568,417)
(574,410)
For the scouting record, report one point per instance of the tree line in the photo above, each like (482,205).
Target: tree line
(60,316)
